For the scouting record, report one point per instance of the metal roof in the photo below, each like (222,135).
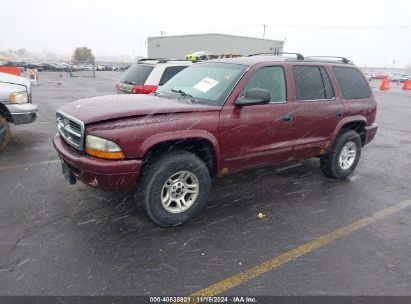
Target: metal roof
(215,34)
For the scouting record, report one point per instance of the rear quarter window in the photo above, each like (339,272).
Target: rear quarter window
(169,73)
(352,83)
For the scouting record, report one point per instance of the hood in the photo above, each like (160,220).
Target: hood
(9,78)
(101,108)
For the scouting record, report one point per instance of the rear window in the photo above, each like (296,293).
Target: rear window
(170,72)
(352,83)
(136,74)
(312,83)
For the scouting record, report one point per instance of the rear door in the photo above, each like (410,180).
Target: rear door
(317,110)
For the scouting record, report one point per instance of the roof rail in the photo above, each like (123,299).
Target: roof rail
(298,55)
(150,59)
(334,58)
(167,60)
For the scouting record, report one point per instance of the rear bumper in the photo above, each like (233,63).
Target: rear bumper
(369,133)
(22,113)
(113,175)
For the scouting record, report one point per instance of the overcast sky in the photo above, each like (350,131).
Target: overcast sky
(371,32)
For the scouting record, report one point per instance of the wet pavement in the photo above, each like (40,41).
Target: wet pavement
(57,239)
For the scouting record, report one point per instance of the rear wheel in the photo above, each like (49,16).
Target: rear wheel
(173,188)
(342,160)
(5,133)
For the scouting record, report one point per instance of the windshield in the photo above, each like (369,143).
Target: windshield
(208,83)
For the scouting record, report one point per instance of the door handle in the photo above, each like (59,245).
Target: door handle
(287,118)
(338,114)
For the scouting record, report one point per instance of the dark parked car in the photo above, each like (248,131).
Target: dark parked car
(52,67)
(214,118)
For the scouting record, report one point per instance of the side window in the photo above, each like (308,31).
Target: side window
(170,72)
(271,79)
(352,83)
(312,83)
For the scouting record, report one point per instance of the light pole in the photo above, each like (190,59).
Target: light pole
(264,26)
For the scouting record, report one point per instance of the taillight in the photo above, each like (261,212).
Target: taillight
(144,89)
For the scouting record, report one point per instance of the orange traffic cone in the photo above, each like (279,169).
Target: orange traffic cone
(407,85)
(385,85)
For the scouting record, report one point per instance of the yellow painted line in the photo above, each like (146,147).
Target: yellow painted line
(53,161)
(288,256)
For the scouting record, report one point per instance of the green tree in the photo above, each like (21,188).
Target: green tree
(83,54)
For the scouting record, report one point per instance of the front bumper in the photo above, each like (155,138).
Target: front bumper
(113,175)
(22,113)
(369,133)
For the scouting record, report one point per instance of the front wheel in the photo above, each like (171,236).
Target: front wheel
(173,188)
(342,160)
(5,133)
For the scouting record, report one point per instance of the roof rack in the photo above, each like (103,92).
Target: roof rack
(298,55)
(333,58)
(308,58)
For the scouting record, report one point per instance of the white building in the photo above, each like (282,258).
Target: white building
(178,47)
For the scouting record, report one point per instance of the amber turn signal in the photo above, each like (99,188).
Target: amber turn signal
(104,154)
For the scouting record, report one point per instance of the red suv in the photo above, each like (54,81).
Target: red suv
(214,118)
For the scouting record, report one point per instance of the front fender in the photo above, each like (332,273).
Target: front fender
(156,139)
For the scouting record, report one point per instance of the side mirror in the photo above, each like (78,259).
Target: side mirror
(254,96)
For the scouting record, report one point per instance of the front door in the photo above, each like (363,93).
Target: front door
(258,134)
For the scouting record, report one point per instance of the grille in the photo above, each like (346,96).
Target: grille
(75,126)
(71,129)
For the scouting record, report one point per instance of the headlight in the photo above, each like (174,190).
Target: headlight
(103,148)
(20,97)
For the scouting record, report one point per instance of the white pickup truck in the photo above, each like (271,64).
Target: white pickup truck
(15,105)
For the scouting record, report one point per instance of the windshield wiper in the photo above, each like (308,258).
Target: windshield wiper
(184,94)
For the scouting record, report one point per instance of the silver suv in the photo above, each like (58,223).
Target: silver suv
(145,76)
(15,105)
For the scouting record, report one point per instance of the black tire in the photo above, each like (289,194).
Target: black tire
(5,133)
(154,176)
(330,162)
